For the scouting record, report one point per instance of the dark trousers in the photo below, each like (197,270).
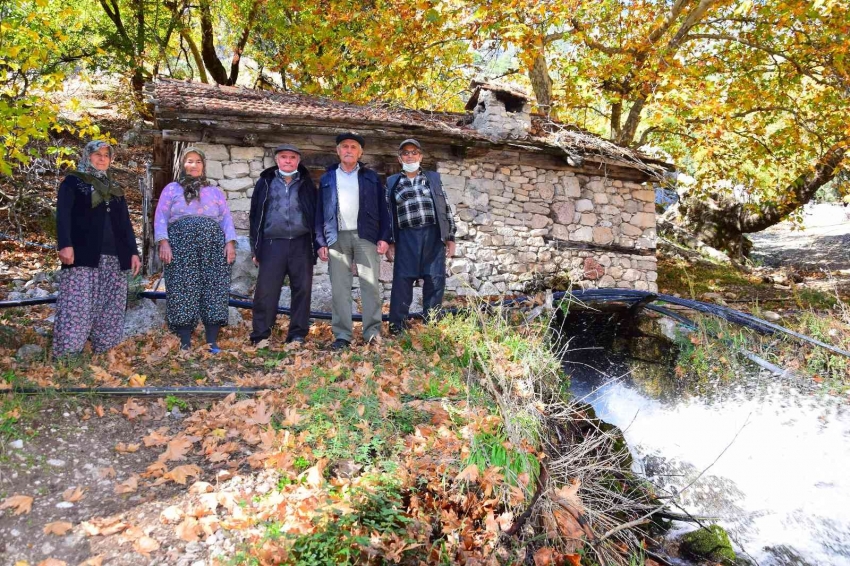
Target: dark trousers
(279,258)
(419,254)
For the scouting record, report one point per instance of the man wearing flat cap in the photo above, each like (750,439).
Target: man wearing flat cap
(352,226)
(423,235)
(283,243)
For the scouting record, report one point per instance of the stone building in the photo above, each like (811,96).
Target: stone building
(534,200)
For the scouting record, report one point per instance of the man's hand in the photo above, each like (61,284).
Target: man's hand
(323,253)
(230,251)
(382,247)
(165,252)
(391,252)
(450,248)
(66,255)
(255,260)
(135,265)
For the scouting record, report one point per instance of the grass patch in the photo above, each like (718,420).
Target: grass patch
(676,276)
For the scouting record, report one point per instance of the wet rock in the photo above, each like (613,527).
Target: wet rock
(29,352)
(710,543)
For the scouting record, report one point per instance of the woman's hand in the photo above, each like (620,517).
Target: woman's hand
(66,255)
(135,265)
(230,251)
(165,252)
(323,253)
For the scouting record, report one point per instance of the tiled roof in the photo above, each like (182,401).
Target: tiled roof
(193,101)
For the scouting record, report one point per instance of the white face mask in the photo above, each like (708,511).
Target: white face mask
(410,167)
(288,173)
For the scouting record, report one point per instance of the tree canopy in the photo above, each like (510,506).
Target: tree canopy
(742,94)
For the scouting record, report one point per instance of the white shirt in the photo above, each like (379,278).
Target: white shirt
(348,192)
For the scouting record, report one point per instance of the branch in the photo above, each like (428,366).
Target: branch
(593,44)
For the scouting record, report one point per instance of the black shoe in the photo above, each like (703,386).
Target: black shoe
(395,330)
(340,344)
(295,339)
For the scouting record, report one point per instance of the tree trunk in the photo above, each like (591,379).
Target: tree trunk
(210,57)
(722,223)
(541,82)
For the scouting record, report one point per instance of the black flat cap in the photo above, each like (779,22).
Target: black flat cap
(286,147)
(409,141)
(351,136)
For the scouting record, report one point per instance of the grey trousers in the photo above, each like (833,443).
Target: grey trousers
(349,248)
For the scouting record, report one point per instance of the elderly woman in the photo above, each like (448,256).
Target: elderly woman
(196,239)
(96,244)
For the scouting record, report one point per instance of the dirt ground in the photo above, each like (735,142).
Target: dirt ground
(820,245)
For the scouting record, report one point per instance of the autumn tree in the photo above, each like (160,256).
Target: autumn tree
(742,95)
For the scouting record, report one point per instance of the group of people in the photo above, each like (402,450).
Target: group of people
(350,219)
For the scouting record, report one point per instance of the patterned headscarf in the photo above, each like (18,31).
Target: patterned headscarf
(192,185)
(101,181)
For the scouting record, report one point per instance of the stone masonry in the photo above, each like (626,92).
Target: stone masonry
(517,224)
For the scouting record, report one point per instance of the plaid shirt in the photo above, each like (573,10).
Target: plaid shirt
(415,205)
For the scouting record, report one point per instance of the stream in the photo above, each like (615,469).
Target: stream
(768,459)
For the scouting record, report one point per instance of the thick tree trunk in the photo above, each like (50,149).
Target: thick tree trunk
(210,57)
(541,82)
(723,223)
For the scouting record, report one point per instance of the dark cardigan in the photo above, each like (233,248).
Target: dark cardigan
(81,226)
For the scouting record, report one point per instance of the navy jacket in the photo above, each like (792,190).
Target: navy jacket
(81,226)
(440,203)
(260,204)
(373,219)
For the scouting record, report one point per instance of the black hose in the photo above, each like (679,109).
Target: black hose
(606,295)
(138,391)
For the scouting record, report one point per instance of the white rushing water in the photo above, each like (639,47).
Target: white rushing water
(780,484)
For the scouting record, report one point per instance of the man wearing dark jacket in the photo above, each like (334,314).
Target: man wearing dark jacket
(352,225)
(423,235)
(283,208)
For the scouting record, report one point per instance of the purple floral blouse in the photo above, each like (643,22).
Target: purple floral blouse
(172,207)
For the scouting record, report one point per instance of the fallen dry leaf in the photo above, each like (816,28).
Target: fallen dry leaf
(58,528)
(470,474)
(93,561)
(132,409)
(106,472)
(128,486)
(98,409)
(200,487)
(52,562)
(20,503)
(72,494)
(124,448)
(189,530)
(145,545)
(137,380)
(176,449)
(156,438)
(181,473)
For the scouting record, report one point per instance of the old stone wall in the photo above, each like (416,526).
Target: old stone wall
(517,224)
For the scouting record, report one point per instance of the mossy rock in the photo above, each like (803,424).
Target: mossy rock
(711,543)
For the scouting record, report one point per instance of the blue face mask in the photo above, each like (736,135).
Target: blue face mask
(410,167)
(287,173)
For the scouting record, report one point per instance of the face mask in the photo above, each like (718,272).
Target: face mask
(288,173)
(410,167)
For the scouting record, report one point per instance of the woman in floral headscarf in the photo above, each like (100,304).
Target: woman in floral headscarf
(96,244)
(196,239)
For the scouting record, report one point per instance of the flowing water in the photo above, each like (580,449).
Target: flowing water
(769,460)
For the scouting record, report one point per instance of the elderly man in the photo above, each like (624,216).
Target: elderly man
(423,235)
(352,225)
(283,209)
